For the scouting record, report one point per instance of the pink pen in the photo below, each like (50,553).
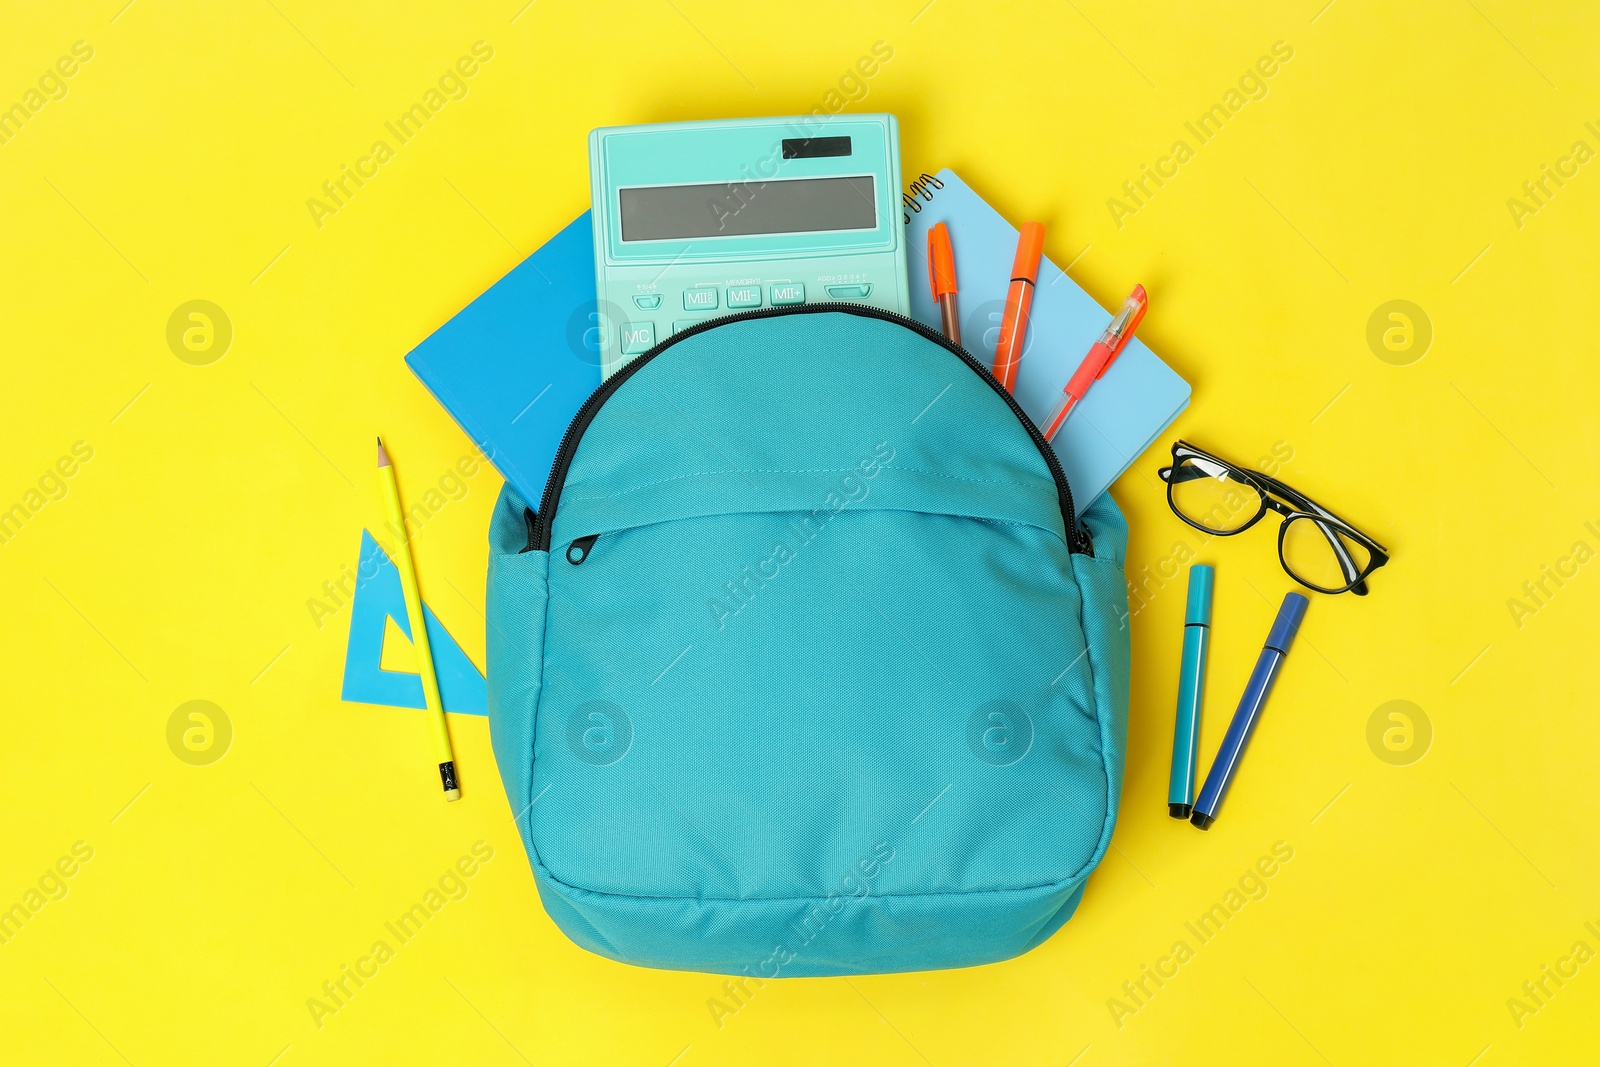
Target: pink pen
(1100,357)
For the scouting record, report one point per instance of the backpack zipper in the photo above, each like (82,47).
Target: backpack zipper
(539,523)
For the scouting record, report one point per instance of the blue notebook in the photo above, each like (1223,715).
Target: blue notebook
(1122,414)
(515,365)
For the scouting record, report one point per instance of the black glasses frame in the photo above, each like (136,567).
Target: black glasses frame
(1272,494)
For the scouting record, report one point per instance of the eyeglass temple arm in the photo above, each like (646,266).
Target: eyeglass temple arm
(1299,499)
(1305,503)
(1183,472)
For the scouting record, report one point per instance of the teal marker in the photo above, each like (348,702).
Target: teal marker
(1191,693)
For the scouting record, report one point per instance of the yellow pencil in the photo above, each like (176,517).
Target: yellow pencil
(419,628)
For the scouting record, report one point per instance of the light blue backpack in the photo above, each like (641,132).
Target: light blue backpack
(805,664)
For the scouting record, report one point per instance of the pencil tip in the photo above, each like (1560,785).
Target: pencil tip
(383,455)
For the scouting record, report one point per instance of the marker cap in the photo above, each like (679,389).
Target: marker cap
(1201,578)
(1030,247)
(941,261)
(1287,624)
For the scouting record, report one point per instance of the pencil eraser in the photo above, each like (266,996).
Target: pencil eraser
(452,794)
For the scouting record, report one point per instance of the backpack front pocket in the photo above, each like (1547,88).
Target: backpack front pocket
(756,699)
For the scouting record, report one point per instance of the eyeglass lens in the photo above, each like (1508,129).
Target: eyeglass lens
(1311,552)
(1208,494)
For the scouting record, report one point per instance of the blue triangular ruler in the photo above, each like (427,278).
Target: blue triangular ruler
(379,597)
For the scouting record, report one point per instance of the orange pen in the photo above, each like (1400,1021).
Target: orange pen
(942,278)
(1014,323)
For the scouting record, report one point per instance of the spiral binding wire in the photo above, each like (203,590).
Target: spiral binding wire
(920,187)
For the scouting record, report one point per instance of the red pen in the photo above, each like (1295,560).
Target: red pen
(1100,357)
(1014,322)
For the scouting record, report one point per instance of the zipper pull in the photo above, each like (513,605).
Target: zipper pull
(578,551)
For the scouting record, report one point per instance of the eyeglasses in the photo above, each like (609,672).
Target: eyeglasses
(1317,548)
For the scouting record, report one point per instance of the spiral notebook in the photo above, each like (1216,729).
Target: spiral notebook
(1122,414)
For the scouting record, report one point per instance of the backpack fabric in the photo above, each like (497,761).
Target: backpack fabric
(805,664)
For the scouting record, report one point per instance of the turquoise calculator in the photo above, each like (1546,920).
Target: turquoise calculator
(695,220)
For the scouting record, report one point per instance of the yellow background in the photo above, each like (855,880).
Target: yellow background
(220,498)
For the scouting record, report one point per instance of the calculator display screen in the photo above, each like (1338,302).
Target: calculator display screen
(744,209)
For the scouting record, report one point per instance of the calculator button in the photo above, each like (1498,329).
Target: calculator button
(849,292)
(788,293)
(679,325)
(638,337)
(647,303)
(744,296)
(699,300)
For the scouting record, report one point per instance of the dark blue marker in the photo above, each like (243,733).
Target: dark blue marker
(1284,627)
